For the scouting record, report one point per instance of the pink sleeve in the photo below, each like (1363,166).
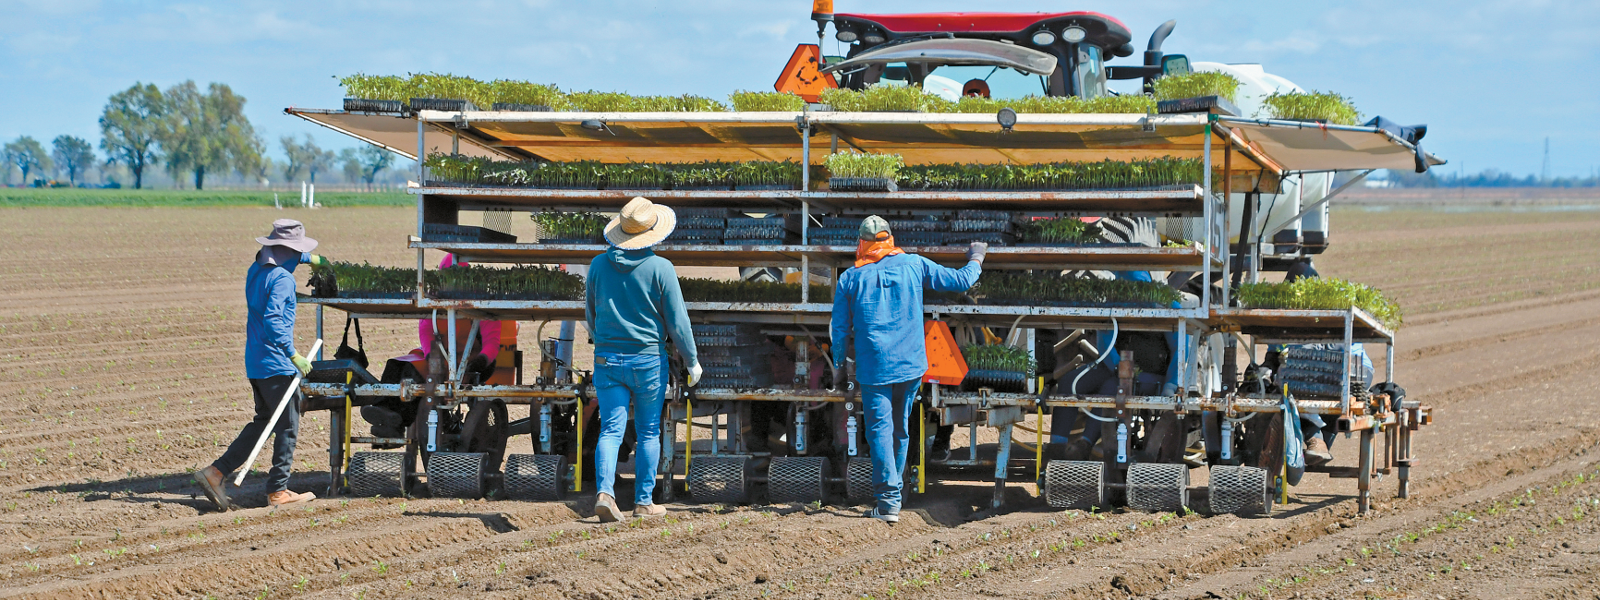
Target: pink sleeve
(490,330)
(425,335)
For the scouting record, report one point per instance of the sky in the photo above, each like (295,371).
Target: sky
(1492,79)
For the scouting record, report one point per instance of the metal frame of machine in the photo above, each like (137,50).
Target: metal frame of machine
(1234,147)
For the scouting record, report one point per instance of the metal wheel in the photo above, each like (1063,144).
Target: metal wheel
(456,474)
(1158,487)
(1077,484)
(796,479)
(535,476)
(858,480)
(377,474)
(717,479)
(1240,490)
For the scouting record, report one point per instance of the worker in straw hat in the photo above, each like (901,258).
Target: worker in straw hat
(270,362)
(879,302)
(633,305)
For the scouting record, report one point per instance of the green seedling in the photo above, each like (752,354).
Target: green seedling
(1125,104)
(1106,174)
(744,101)
(866,166)
(999,357)
(1011,288)
(721,290)
(1196,85)
(1313,106)
(518,283)
(1324,293)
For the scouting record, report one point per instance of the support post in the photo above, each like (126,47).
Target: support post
(318,355)
(1002,460)
(1364,478)
(1344,379)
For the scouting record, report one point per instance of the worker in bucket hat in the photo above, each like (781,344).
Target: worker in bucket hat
(633,306)
(878,302)
(270,362)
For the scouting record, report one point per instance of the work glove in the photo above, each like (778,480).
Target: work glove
(301,363)
(1170,389)
(316,260)
(977,251)
(694,373)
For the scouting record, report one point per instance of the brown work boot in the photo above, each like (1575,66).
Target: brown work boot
(1077,449)
(282,497)
(1317,452)
(649,510)
(605,507)
(210,480)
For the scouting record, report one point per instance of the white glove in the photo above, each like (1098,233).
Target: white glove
(694,374)
(1170,389)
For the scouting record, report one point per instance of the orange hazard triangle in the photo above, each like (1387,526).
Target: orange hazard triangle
(800,76)
(946,366)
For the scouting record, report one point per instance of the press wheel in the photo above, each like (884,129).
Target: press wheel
(456,474)
(858,480)
(535,476)
(1240,490)
(1158,487)
(1076,484)
(796,479)
(718,479)
(377,474)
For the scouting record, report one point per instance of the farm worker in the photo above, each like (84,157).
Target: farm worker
(1319,434)
(390,417)
(879,302)
(632,306)
(270,362)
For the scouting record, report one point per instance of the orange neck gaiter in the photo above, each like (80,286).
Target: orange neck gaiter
(868,252)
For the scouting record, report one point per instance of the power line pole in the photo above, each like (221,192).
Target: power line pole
(1544,173)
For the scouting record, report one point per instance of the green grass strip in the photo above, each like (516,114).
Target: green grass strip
(48,197)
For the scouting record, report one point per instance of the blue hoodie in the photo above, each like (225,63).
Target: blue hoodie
(269,329)
(633,303)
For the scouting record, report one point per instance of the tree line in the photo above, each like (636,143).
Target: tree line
(192,133)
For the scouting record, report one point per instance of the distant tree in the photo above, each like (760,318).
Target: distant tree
(130,129)
(73,155)
(318,160)
(295,153)
(208,132)
(373,159)
(28,156)
(351,164)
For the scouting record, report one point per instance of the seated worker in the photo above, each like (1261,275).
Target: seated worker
(1318,433)
(975,88)
(391,417)
(1156,373)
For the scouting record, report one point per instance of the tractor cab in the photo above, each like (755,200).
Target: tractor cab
(1051,54)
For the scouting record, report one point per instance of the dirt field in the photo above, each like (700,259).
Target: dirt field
(120,371)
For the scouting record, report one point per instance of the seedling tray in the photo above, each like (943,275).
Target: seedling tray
(377,106)
(862,184)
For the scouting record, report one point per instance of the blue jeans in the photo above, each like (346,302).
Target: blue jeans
(888,409)
(268,392)
(621,380)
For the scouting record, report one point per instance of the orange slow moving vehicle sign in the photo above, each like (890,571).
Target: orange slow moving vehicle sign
(800,76)
(946,366)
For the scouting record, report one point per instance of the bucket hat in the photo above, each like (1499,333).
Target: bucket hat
(288,233)
(641,224)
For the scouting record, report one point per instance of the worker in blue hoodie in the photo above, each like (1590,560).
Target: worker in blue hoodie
(633,306)
(879,303)
(270,362)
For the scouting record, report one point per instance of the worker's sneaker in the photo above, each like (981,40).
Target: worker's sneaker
(386,423)
(282,497)
(210,480)
(1317,452)
(649,510)
(605,507)
(882,515)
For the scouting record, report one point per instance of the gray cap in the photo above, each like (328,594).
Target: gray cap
(874,228)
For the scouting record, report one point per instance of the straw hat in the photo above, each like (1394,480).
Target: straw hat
(641,224)
(288,233)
